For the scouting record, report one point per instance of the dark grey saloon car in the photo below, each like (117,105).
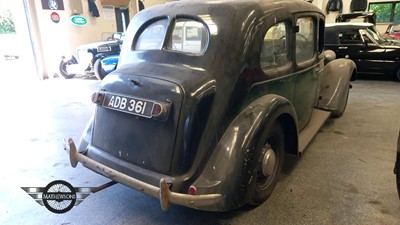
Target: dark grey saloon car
(208,97)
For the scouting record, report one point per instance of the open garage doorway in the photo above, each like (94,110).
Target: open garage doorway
(16,51)
(122,18)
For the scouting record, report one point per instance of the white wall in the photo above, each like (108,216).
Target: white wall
(54,40)
(61,39)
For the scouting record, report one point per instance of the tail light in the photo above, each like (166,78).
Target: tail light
(160,111)
(192,190)
(97,97)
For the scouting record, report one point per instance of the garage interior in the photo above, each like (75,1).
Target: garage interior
(344,177)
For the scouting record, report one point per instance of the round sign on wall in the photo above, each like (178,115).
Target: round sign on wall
(55,17)
(78,20)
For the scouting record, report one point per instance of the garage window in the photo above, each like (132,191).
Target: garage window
(385,11)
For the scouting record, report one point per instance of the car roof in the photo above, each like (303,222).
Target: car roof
(226,17)
(236,7)
(369,17)
(241,19)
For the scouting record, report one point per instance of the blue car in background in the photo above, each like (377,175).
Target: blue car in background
(105,65)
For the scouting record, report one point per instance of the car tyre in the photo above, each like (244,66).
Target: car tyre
(269,165)
(99,72)
(397,75)
(63,67)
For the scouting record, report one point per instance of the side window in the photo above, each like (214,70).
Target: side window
(396,28)
(331,37)
(350,37)
(153,36)
(274,52)
(189,36)
(305,37)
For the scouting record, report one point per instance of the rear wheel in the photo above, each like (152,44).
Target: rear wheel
(99,72)
(63,67)
(397,75)
(269,165)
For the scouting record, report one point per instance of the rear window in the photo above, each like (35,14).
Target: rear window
(153,36)
(188,36)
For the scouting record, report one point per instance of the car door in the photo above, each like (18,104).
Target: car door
(385,63)
(277,75)
(307,67)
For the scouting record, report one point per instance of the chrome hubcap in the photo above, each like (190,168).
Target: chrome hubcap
(268,162)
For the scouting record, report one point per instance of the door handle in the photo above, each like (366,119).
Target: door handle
(342,47)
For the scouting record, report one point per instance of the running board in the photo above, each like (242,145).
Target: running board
(317,119)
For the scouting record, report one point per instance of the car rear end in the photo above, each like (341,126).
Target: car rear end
(151,113)
(159,116)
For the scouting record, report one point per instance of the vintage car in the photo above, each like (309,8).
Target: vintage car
(366,17)
(392,31)
(209,96)
(360,43)
(99,58)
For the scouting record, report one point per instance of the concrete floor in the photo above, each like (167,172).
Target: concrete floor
(344,177)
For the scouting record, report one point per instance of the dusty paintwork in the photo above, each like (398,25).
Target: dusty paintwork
(397,166)
(219,122)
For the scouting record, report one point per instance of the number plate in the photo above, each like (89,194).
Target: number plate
(127,104)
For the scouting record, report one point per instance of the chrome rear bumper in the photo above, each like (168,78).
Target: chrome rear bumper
(162,192)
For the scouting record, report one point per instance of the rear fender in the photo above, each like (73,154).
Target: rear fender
(86,136)
(336,83)
(231,167)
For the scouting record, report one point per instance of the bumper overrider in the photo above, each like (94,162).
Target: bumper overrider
(162,192)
